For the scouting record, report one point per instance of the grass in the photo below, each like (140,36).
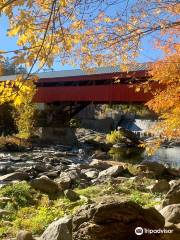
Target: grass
(20,193)
(34,211)
(31,210)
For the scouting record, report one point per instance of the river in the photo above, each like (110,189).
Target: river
(166,156)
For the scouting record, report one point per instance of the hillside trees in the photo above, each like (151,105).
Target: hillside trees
(89,33)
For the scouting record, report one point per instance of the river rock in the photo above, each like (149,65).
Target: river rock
(24,235)
(46,185)
(173,196)
(51,174)
(113,171)
(171,213)
(92,174)
(71,195)
(4,169)
(71,178)
(161,185)
(59,230)
(115,220)
(42,167)
(101,155)
(99,164)
(155,168)
(15,176)
(173,172)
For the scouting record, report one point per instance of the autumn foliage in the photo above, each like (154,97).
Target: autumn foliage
(166,101)
(97,33)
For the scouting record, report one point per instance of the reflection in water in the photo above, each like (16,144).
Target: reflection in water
(127,154)
(166,156)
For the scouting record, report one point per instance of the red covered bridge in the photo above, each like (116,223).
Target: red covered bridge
(98,86)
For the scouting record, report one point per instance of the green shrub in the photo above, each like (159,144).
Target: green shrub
(21,195)
(114,137)
(24,118)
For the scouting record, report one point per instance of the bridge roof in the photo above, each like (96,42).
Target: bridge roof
(78,72)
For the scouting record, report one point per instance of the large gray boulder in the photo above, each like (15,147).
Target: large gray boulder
(92,174)
(115,220)
(45,185)
(99,164)
(71,195)
(113,171)
(161,185)
(154,168)
(70,178)
(15,176)
(59,230)
(171,213)
(173,196)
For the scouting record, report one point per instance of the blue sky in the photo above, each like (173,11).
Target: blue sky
(148,53)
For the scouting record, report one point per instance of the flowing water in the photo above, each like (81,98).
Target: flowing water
(168,156)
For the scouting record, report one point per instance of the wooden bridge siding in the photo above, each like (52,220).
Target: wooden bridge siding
(105,93)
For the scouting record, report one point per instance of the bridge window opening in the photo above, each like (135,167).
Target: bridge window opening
(89,82)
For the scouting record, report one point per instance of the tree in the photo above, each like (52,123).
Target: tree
(166,101)
(85,32)
(8,67)
(16,100)
(90,33)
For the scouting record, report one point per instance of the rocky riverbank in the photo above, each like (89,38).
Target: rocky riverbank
(66,193)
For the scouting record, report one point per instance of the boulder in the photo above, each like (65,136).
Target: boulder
(101,155)
(173,172)
(115,220)
(152,167)
(71,195)
(173,196)
(59,230)
(51,174)
(45,185)
(24,235)
(113,171)
(92,174)
(176,231)
(161,185)
(42,167)
(99,164)
(64,182)
(15,176)
(171,213)
(70,178)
